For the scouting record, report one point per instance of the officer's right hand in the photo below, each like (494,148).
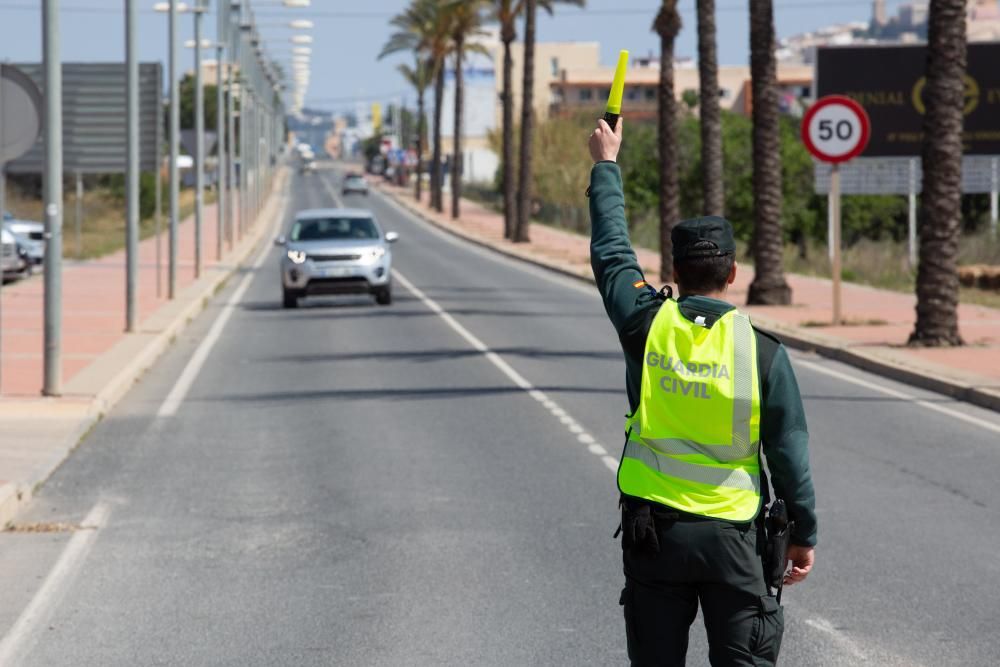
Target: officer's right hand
(802,562)
(604,143)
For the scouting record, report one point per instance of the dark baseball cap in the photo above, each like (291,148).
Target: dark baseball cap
(713,234)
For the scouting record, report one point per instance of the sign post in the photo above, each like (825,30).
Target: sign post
(835,129)
(994,188)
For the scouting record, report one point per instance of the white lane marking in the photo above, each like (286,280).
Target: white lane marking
(540,397)
(846,643)
(187,377)
(21,635)
(592,291)
(955,414)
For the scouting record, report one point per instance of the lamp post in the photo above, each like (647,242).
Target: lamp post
(173,8)
(221,205)
(199,140)
(53,195)
(221,177)
(220,126)
(132,168)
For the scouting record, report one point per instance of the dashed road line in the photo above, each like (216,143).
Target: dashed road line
(591,291)
(572,425)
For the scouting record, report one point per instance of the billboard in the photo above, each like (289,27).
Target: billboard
(479,98)
(94,120)
(903,175)
(888,81)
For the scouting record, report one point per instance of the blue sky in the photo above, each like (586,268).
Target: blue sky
(349,35)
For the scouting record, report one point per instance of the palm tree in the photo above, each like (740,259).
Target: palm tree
(418,76)
(667,25)
(521,234)
(437,178)
(464,20)
(768,286)
(424,28)
(506,13)
(940,203)
(711,123)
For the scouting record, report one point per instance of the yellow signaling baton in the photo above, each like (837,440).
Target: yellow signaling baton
(614,108)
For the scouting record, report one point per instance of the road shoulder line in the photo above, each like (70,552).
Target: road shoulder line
(21,635)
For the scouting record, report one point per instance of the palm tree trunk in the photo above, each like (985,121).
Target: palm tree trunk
(456,161)
(420,144)
(940,203)
(711,123)
(667,25)
(768,286)
(509,201)
(522,234)
(436,185)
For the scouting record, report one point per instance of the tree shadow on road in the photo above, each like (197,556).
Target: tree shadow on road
(443,354)
(396,393)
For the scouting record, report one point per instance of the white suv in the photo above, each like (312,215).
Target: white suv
(336,251)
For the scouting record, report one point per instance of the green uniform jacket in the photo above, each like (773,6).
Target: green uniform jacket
(783,432)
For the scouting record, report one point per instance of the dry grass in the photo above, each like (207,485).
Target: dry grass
(103,226)
(885,264)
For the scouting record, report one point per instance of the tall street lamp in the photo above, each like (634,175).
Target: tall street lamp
(52,195)
(173,8)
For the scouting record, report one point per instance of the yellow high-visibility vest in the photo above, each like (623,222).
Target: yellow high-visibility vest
(694,442)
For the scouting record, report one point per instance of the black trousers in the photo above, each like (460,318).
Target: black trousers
(715,563)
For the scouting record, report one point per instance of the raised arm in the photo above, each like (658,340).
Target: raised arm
(616,269)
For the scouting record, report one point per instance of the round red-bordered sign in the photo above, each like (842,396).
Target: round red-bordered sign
(836,129)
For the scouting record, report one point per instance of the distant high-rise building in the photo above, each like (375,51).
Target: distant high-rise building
(879,16)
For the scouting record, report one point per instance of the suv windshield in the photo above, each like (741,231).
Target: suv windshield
(328,229)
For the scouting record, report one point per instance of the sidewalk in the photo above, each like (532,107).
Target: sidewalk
(880,321)
(93,299)
(100,361)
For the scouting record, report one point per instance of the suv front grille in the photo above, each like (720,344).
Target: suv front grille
(334,258)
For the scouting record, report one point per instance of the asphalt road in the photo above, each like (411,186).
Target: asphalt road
(430,483)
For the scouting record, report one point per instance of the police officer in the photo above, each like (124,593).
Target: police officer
(708,394)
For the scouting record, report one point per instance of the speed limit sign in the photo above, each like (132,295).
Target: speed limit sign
(835,129)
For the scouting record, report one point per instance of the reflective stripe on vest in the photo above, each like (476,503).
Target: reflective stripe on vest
(693,443)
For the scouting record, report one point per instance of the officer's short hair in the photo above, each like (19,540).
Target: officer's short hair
(706,273)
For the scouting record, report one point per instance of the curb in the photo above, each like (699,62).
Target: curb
(143,349)
(793,336)
(11,500)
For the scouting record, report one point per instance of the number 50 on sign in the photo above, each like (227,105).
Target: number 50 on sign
(835,129)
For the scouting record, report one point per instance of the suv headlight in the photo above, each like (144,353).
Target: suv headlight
(297,256)
(375,254)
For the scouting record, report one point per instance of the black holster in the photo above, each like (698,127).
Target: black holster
(779,535)
(638,526)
